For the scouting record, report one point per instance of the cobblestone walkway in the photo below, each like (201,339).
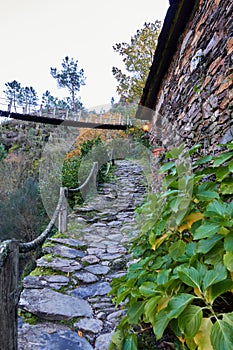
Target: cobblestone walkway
(68,291)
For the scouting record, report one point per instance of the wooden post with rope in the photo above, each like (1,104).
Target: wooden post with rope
(9,260)
(63,213)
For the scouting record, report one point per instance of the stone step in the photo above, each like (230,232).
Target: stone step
(73,278)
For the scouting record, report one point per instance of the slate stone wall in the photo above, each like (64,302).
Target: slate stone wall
(194,103)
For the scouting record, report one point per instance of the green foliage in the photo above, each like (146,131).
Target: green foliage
(137,57)
(183,276)
(48,101)
(27,98)
(139,136)
(3,152)
(70,78)
(76,169)
(22,213)
(12,92)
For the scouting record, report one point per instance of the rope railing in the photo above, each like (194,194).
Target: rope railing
(93,172)
(9,265)
(29,246)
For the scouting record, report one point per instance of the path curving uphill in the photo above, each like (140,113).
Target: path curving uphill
(68,291)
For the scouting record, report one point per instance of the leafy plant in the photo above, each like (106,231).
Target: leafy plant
(137,57)
(3,152)
(182,280)
(77,168)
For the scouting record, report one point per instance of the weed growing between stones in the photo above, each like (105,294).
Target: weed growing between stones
(45,271)
(28,317)
(182,281)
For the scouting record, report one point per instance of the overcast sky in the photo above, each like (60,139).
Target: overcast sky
(38,34)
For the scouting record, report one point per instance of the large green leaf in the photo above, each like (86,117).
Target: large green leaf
(130,342)
(205,245)
(228,317)
(177,304)
(177,249)
(222,172)
(135,311)
(219,288)
(222,158)
(167,166)
(203,160)
(163,276)
(214,276)
(208,229)
(218,208)
(202,338)
(222,335)
(190,276)
(228,242)
(228,261)
(150,308)
(190,320)
(160,323)
(226,186)
(175,152)
(214,257)
(230,166)
(207,195)
(148,289)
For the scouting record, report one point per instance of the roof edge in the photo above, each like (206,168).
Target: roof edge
(175,22)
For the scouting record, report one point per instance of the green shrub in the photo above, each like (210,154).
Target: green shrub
(76,169)
(3,153)
(183,276)
(22,214)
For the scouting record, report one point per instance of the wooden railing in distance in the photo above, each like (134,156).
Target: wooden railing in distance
(63,214)
(9,266)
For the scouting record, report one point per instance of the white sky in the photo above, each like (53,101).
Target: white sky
(38,34)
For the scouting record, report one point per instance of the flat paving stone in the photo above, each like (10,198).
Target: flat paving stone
(48,336)
(103,341)
(55,282)
(90,259)
(68,241)
(96,251)
(89,325)
(60,264)
(97,269)
(111,256)
(115,250)
(115,237)
(92,290)
(86,277)
(67,252)
(51,305)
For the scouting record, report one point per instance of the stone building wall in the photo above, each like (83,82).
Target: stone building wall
(194,103)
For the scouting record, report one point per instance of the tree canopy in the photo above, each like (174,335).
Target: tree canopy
(137,57)
(70,78)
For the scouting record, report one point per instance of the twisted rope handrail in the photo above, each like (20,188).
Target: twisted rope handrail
(26,247)
(93,169)
(9,269)
(111,162)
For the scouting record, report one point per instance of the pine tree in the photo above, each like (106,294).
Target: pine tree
(70,78)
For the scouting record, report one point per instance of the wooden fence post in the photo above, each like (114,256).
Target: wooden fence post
(62,217)
(9,260)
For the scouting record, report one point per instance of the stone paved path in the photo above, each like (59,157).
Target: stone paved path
(68,291)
